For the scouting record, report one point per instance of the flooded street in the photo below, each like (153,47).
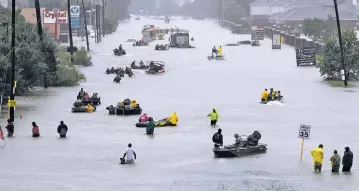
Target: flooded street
(181,158)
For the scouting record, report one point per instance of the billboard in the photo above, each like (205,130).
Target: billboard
(55,17)
(276,41)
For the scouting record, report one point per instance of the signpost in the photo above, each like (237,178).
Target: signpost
(305,56)
(75,17)
(276,41)
(55,17)
(257,34)
(304,133)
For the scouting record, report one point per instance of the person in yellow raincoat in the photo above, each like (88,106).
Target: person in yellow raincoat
(89,108)
(133,103)
(318,154)
(214,117)
(173,119)
(264,95)
(220,51)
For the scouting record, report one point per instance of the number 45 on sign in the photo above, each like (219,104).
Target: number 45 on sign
(304,131)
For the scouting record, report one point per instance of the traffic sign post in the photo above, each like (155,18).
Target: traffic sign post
(304,133)
(75,17)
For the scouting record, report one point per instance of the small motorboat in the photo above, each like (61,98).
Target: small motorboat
(238,151)
(215,58)
(155,67)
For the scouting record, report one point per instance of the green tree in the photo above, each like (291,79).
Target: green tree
(330,65)
(320,30)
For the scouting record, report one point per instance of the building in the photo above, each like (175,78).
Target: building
(4,3)
(30,16)
(293,12)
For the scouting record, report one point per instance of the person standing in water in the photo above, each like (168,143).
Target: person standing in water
(218,137)
(318,155)
(220,51)
(335,161)
(10,128)
(35,130)
(214,117)
(347,160)
(62,129)
(130,153)
(150,126)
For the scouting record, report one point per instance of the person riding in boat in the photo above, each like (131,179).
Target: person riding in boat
(214,117)
(79,96)
(214,51)
(112,70)
(94,96)
(238,139)
(150,126)
(136,42)
(156,47)
(89,108)
(117,79)
(86,97)
(217,138)
(271,94)
(142,64)
(111,110)
(127,101)
(108,71)
(264,96)
(133,103)
(278,96)
(120,48)
(81,93)
(220,51)
(173,119)
(256,137)
(133,64)
(144,118)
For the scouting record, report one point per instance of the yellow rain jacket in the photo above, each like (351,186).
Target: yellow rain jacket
(265,95)
(214,115)
(173,118)
(133,103)
(220,51)
(89,108)
(317,154)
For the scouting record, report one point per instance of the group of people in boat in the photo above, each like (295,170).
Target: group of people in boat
(271,96)
(255,43)
(161,47)
(142,65)
(119,50)
(115,71)
(252,140)
(156,68)
(141,43)
(217,52)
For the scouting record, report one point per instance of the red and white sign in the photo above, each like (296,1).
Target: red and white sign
(55,17)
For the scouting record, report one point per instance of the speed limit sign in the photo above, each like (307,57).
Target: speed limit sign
(304,131)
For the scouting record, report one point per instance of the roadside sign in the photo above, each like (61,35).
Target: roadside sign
(305,56)
(55,17)
(75,17)
(276,41)
(304,131)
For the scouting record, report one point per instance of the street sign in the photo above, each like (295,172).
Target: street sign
(11,103)
(304,131)
(75,17)
(305,56)
(276,41)
(74,49)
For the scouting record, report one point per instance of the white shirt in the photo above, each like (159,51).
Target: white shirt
(129,153)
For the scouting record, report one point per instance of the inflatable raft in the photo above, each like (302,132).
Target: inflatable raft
(81,109)
(127,110)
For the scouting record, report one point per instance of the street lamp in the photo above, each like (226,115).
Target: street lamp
(340,42)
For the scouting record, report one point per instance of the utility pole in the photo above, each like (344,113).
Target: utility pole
(39,31)
(99,23)
(219,13)
(103,18)
(70,31)
(340,42)
(87,36)
(12,102)
(222,13)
